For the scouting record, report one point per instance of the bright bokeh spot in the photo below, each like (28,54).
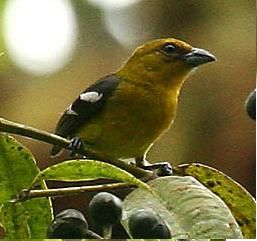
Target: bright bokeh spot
(112,4)
(40,35)
(121,21)
(125,27)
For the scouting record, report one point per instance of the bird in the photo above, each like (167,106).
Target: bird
(123,114)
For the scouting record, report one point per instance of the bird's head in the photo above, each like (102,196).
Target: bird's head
(167,61)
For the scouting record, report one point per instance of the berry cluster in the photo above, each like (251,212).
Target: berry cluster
(106,211)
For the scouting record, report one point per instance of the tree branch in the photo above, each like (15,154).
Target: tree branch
(29,194)
(16,128)
(19,129)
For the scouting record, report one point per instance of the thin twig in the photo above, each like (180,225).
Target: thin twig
(29,194)
(16,128)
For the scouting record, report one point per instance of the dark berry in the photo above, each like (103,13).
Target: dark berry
(250,104)
(68,224)
(144,224)
(105,208)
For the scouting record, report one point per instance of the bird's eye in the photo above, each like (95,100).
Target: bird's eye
(168,49)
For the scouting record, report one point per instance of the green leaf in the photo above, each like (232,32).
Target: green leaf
(17,169)
(46,239)
(189,208)
(15,220)
(239,200)
(84,170)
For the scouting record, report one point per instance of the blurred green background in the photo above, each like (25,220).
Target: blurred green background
(53,49)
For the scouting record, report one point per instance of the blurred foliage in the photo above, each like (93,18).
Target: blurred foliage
(211,126)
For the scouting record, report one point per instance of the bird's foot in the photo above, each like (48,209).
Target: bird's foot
(161,168)
(77,147)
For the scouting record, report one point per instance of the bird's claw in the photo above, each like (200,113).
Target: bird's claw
(165,169)
(76,147)
(162,168)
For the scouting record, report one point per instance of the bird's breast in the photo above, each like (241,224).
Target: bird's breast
(143,112)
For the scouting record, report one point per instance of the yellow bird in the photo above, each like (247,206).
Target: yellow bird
(121,115)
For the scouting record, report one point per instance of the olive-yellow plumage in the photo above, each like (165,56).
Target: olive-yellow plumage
(123,114)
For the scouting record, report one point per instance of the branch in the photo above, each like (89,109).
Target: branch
(16,128)
(29,194)
(19,129)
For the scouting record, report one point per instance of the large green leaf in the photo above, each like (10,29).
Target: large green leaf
(239,200)
(14,217)
(46,239)
(84,170)
(17,169)
(189,208)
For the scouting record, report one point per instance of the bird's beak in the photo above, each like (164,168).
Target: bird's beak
(198,57)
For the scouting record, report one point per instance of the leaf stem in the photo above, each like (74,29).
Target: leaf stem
(29,194)
(20,129)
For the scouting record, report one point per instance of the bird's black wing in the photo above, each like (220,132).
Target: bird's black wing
(85,107)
